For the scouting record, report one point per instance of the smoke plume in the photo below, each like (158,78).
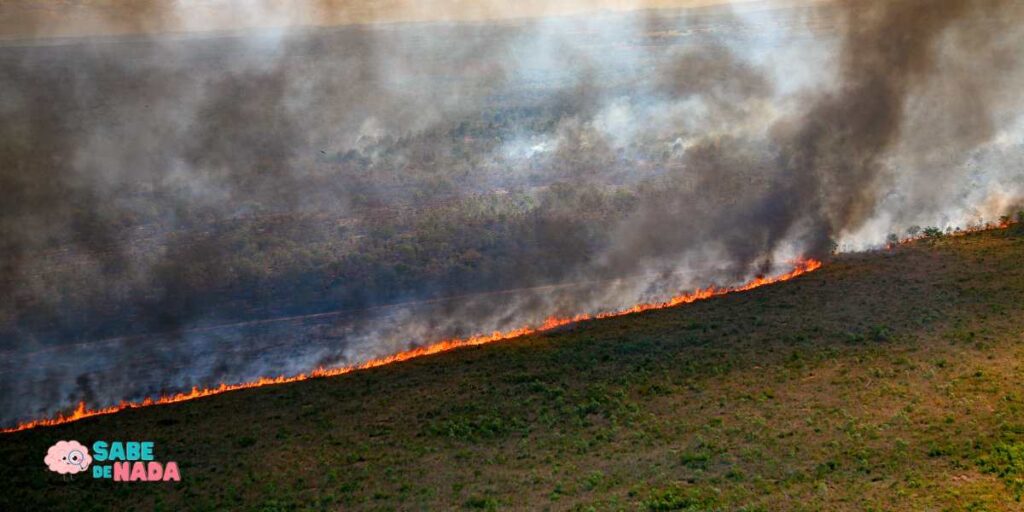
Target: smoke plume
(185,207)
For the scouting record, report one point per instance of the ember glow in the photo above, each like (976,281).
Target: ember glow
(83,411)
(185,209)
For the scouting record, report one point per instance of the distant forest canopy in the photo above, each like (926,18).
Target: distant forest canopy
(402,217)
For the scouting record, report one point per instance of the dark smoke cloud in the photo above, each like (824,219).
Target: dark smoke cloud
(528,168)
(826,166)
(832,155)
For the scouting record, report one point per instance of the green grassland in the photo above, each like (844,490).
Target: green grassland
(884,381)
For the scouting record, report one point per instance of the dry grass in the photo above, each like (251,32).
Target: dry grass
(888,381)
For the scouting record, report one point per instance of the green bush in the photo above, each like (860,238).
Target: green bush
(679,499)
(696,459)
(478,503)
(881,333)
(476,427)
(1018,228)
(1006,460)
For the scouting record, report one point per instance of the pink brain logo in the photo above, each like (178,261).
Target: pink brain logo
(68,457)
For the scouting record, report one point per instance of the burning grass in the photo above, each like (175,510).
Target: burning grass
(885,381)
(83,411)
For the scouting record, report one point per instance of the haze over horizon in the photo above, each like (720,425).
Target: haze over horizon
(45,19)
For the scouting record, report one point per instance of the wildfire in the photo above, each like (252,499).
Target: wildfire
(1003,223)
(81,412)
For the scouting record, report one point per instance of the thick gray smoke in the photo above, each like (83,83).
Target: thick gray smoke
(187,210)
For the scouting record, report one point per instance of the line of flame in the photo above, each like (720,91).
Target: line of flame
(81,412)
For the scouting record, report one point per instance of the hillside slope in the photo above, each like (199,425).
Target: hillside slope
(883,381)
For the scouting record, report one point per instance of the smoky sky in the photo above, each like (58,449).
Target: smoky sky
(69,18)
(215,207)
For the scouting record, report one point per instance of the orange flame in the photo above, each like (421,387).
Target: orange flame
(81,412)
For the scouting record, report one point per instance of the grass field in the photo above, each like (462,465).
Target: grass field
(885,381)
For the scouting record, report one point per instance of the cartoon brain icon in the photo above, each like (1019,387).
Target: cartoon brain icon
(68,457)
